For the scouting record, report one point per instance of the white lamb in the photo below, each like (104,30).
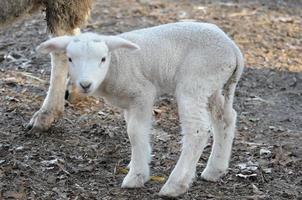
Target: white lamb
(195,61)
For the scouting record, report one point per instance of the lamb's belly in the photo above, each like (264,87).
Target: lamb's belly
(164,79)
(164,86)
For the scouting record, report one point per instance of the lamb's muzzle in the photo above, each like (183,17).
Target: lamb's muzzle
(197,62)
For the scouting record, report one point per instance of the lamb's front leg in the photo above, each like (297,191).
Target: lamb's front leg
(53,105)
(138,129)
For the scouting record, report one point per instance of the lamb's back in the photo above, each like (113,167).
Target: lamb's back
(171,50)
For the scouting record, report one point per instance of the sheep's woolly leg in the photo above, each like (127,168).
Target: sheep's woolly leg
(53,105)
(194,118)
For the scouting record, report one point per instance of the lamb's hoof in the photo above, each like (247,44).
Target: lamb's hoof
(173,189)
(42,121)
(213,175)
(135,180)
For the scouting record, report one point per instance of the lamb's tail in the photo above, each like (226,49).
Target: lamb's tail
(230,86)
(221,105)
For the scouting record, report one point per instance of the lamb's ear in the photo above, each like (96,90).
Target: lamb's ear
(54,44)
(114,42)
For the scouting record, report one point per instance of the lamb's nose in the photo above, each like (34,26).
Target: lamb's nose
(85,85)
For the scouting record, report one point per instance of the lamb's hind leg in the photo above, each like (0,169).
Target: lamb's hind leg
(53,105)
(224,119)
(194,118)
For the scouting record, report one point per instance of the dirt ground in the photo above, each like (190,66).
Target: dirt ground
(85,154)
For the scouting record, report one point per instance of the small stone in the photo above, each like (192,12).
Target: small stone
(20,148)
(111,134)
(51,179)
(267,170)
(272,127)
(254,119)
(265,153)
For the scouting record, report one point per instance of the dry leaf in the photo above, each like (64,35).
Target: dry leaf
(157,178)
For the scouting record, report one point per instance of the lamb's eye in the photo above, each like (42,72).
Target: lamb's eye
(69,59)
(103,59)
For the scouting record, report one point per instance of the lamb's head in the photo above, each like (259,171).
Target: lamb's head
(88,56)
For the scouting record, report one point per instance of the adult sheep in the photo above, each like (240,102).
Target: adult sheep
(197,62)
(63,17)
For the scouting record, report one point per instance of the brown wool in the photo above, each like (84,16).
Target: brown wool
(61,15)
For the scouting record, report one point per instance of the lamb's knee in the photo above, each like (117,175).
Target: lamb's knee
(222,113)
(216,106)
